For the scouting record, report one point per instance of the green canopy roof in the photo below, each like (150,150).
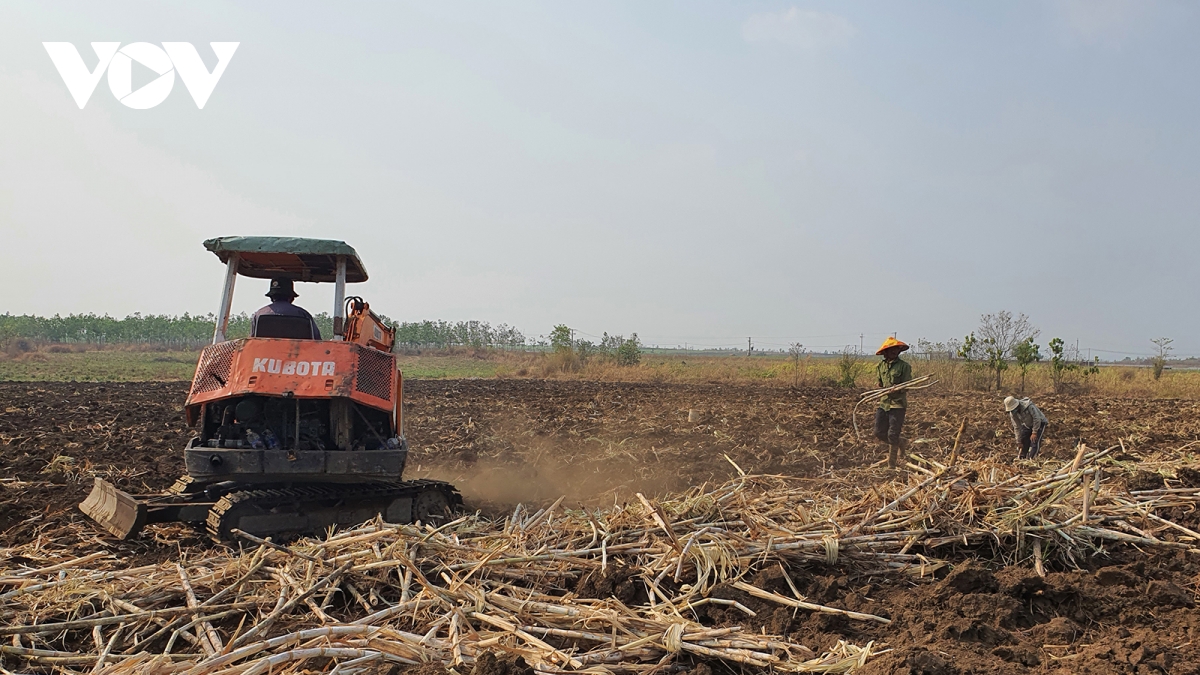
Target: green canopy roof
(293,258)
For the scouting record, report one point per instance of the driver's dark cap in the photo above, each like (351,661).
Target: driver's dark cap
(282,288)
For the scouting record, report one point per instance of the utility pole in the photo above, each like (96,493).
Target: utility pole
(749,347)
(860,343)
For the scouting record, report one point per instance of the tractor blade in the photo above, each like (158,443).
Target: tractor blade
(114,510)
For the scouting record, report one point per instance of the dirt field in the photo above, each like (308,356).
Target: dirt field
(504,441)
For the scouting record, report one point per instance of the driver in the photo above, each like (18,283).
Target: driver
(282,294)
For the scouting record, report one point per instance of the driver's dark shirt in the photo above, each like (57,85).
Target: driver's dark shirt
(278,308)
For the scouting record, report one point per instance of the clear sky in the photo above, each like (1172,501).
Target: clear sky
(691,171)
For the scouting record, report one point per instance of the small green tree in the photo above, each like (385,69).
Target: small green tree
(966,350)
(1160,361)
(560,339)
(567,355)
(1026,354)
(630,351)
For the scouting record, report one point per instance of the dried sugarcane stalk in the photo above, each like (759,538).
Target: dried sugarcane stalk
(42,629)
(279,611)
(209,640)
(775,597)
(957,440)
(452,593)
(268,543)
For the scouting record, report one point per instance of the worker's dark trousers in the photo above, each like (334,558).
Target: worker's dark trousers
(888,424)
(1029,448)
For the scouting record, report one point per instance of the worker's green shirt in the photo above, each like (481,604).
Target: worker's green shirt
(892,374)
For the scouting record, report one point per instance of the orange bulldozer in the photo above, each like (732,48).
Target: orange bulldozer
(294,435)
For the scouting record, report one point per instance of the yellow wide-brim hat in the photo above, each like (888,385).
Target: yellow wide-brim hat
(889,343)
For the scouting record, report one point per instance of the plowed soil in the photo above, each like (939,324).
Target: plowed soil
(504,441)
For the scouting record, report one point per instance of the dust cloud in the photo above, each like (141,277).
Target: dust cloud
(496,487)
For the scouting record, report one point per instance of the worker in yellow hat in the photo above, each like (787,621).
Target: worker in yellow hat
(889,416)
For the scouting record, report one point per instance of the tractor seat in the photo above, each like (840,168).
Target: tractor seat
(288,327)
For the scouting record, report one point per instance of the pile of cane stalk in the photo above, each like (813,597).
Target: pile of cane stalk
(360,599)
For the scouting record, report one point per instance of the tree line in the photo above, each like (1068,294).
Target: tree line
(443,334)
(194,331)
(1003,341)
(185,330)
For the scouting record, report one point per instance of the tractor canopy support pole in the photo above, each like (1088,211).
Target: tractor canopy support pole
(339,298)
(231,270)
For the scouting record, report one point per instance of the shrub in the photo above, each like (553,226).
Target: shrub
(571,354)
(800,358)
(630,351)
(1059,365)
(850,366)
(1159,362)
(796,351)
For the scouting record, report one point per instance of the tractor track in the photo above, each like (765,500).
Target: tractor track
(307,500)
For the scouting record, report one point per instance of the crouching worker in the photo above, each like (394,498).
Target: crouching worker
(889,416)
(1029,425)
